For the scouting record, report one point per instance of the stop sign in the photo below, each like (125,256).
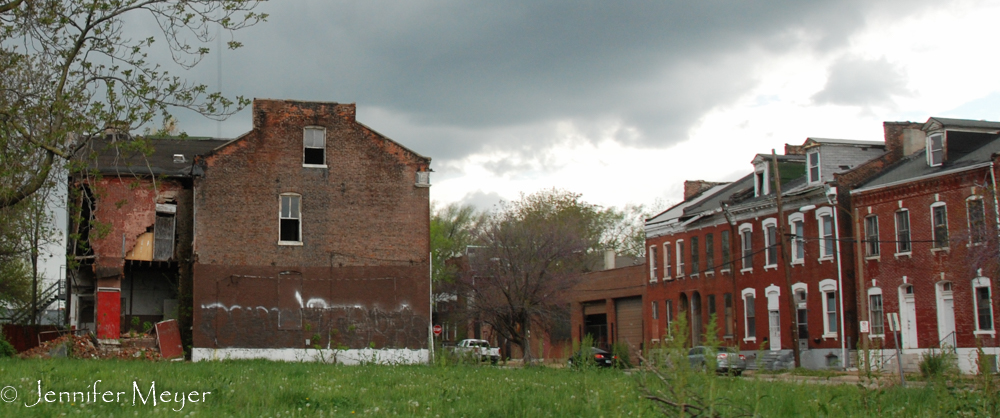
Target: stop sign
(437,330)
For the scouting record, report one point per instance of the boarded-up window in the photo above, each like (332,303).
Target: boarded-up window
(163,237)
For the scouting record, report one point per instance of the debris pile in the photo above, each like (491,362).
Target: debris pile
(82,346)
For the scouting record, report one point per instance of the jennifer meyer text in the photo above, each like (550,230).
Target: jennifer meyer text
(138,395)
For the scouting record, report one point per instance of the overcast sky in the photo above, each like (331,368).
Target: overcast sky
(619,102)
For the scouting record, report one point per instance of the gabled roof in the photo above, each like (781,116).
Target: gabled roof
(937,123)
(849,142)
(915,166)
(124,156)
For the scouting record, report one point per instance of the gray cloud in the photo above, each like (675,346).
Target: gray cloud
(482,200)
(450,78)
(861,82)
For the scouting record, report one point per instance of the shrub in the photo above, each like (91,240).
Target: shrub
(937,363)
(6,350)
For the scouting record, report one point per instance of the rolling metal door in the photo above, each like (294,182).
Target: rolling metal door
(628,313)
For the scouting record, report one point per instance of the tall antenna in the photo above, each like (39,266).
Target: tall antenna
(218,46)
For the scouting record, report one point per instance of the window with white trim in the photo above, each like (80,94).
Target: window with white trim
(875,312)
(903,231)
(935,149)
(290,219)
(314,146)
(668,311)
(679,251)
(709,253)
(749,314)
(652,263)
(871,236)
(983,304)
(812,159)
(761,179)
(796,222)
(746,243)
(977,219)
(656,310)
(770,227)
(824,222)
(939,224)
(828,290)
(666,260)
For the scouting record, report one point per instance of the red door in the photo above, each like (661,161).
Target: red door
(109,308)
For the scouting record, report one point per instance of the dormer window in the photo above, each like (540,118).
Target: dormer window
(313,147)
(935,149)
(760,183)
(813,160)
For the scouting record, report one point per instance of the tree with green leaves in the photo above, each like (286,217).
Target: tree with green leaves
(70,71)
(452,231)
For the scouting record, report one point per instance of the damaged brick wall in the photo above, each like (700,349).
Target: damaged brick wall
(364,242)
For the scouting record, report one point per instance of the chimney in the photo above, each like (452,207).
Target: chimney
(794,149)
(694,188)
(609,259)
(903,138)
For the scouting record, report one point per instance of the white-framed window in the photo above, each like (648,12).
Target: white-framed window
(746,244)
(876,314)
(939,225)
(977,219)
(761,179)
(796,222)
(903,245)
(983,303)
(871,236)
(679,252)
(828,290)
(812,159)
(749,314)
(824,223)
(935,149)
(668,312)
(652,263)
(656,310)
(290,219)
(666,260)
(314,146)
(770,227)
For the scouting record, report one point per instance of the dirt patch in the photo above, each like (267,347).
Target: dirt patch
(81,346)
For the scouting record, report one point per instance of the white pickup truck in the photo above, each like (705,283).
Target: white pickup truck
(480,348)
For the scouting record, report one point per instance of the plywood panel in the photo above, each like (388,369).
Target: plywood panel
(143,250)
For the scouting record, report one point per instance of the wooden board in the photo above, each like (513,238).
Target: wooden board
(168,336)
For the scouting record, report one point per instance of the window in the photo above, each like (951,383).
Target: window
(761,186)
(749,315)
(652,263)
(824,217)
(935,149)
(290,222)
(726,257)
(680,258)
(875,311)
(828,288)
(797,223)
(695,267)
(771,243)
(903,231)
(813,158)
(977,220)
(983,305)
(164,231)
(709,253)
(711,305)
(313,146)
(871,236)
(668,311)
(727,300)
(666,260)
(656,310)
(939,219)
(746,232)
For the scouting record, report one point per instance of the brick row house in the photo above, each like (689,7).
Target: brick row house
(306,238)
(906,228)
(929,250)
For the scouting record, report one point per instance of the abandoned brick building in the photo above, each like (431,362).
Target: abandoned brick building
(305,238)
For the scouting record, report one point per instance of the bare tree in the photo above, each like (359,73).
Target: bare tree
(530,253)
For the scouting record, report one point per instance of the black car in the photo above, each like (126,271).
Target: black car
(600,357)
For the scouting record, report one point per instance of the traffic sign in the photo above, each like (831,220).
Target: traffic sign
(437,330)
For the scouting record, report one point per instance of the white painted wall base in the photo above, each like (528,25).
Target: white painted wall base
(349,357)
(966,358)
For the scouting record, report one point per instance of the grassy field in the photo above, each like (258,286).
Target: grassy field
(258,388)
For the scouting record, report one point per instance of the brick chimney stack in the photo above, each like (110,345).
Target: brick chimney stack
(694,188)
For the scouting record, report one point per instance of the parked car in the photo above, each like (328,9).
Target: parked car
(478,348)
(727,359)
(600,357)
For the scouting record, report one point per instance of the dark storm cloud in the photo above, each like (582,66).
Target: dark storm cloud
(450,78)
(861,82)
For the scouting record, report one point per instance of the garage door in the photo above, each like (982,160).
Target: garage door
(629,321)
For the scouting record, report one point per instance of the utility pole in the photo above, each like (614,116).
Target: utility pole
(789,296)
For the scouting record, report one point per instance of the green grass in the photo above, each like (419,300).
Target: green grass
(260,388)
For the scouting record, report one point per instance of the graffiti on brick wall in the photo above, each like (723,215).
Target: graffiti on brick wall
(324,324)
